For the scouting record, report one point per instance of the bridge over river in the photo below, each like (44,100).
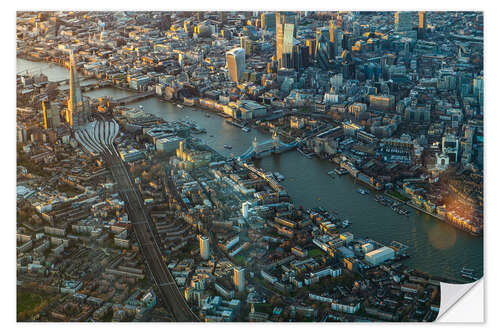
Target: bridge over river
(274,145)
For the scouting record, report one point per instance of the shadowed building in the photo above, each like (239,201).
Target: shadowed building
(50,116)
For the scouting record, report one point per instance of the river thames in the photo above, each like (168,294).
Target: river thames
(434,246)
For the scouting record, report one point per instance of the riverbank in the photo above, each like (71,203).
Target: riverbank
(436,248)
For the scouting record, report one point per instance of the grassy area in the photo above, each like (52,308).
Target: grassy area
(316,253)
(27,301)
(239,259)
(29,304)
(398,195)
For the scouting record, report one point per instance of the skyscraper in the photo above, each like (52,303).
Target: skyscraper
(422,24)
(403,21)
(286,29)
(235,59)
(50,116)
(78,111)
(279,37)
(204,247)
(322,52)
(239,278)
(356,29)
(268,21)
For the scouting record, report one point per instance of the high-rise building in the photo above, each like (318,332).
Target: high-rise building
(268,21)
(286,30)
(356,29)
(50,116)
(78,110)
(235,59)
(204,247)
(248,45)
(403,21)
(279,37)
(335,37)
(422,22)
(322,53)
(244,209)
(332,31)
(239,278)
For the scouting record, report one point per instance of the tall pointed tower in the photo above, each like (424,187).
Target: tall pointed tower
(276,141)
(77,114)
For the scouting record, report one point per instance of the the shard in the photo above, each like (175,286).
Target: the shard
(78,110)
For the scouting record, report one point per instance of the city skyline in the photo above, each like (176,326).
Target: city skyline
(216,166)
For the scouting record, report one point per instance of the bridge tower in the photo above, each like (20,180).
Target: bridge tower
(276,141)
(255,145)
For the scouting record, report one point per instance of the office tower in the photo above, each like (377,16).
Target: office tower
(300,56)
(311,47)
(50,116)
(422,22)
(339,21)
(356,29)
(279,37)
(248,45)
(403,21)
(331,31)
(235,59)
(239,278)
(322,52)
(347,41)
(335,39)
(285,32)
(204,247)
(268,21)
(187,26)
(78,111)
(288,43)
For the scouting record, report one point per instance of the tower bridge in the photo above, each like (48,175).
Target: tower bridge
(274,145)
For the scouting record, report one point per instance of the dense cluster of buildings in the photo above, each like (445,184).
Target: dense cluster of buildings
(395,100)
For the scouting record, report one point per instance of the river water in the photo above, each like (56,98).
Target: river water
(434,247)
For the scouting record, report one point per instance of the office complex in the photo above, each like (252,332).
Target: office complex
(403,21)
(268,21)
(235,60)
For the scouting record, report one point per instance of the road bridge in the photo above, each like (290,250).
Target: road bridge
(133,98)
(274,145)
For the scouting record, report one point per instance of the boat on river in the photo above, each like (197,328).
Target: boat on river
(362,191)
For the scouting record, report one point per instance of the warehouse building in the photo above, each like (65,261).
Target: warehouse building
(380,255)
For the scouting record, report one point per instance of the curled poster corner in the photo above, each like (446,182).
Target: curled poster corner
(455,305)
